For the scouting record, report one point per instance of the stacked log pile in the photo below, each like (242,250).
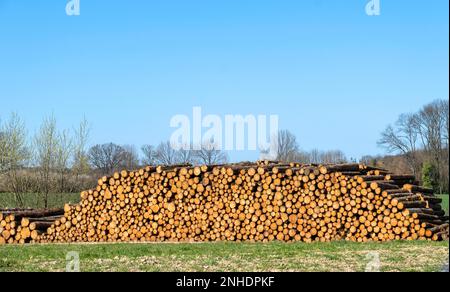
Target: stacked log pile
(26,225)
(262,201)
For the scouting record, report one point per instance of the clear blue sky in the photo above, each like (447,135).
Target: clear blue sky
(335,76)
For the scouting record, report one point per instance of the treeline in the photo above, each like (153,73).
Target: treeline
(50,161)
(418,144)
(107,158)
(59,161)
(289,151)
(56,161)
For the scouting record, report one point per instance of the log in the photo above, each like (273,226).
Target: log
(47,219)
(15,210)
(35,213)
(443,235)
(40,225)
(439,228)
(341,168)
(412,204)
(408,198)
(417,189)
(427,217)
(421,211)
(397,177)
(432,200)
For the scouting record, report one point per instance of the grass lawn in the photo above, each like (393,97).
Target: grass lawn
(8,200)
(444,202)
(228,257)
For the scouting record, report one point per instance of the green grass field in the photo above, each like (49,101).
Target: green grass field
(208,257)
(444,202)
(229,257)
(8,200)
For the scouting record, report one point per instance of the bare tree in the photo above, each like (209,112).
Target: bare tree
(3,151)
(430,123)
(315,156)
(185,156)
(210,154)
(14,154)
(80,155)
(422,138)
(106,157)
(333,157)
(64,150)
(46,149)
(130,157)
(165,154)
(371,160)
(403,139)
(289,151)
(149,152)
(303,157)
(288,148)
(444,113)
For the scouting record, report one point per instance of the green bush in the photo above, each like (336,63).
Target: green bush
(430,176)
